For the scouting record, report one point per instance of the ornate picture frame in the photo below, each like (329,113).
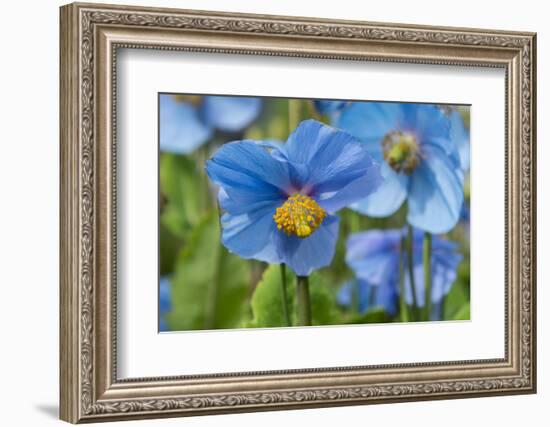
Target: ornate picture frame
(90,37)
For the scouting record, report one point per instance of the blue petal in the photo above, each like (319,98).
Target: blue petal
(251,235)
(181,130)
(163,326)
(444,262)
(443,278)
(344,296)
(431,127)
(368,296)
(437,312)
(311,253)
(246,202)
(249,175)
(165,302)
(374,255)
(370,122)
(299,173)
(388,198)
(330,165)
(329,106)
(465,213)
(342,173)
(426,121)
(230,113)
(304,142)
(418,272)
(338,198)
(461,137)
(165,299)
(364,295)
(355,290)
(435,196)
(386,296)
(442,281)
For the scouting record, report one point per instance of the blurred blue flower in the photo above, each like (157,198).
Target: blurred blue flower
(461,137)
(465,220)
(279,201)
(419,162)
(374,257)
(465,213)
(367,296)
(187,122)
(230,113)
(324,106)
(165,302)
(163,326)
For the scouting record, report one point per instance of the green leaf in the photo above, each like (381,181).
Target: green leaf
(267,300)
(374,315)
(267,305)
(180,183)
(463,313)
(324,310)
(455,300)
(170,245)
(209,284)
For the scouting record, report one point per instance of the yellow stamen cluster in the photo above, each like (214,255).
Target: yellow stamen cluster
(192,99)
(300,216)
(401,151)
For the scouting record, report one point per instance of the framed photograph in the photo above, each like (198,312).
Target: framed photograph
(266,212)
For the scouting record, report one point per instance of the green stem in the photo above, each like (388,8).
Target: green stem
(293,114)
(213,287)
(403,309)
(303,304)
(427,260)
(411,272)
(354,221)
(205,200)
(284,295)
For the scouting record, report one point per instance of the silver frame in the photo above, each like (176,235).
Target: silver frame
(90,37)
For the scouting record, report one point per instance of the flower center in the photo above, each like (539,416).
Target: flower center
(191,99)
(400,151)
(300,216)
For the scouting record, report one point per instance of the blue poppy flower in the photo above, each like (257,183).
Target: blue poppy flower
(419,162)
(461,137)
(325,106)
(187,122)
(367,296)
(165,302)
(374,256)
(279,201)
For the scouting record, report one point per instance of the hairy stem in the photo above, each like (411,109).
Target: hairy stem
(403,309)
(427,260)
(284,295)
(303,303)
(411,272)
